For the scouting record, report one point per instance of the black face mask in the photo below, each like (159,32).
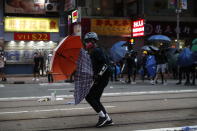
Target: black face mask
(90,40)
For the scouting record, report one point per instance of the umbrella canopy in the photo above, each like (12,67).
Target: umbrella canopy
(149,48)
(194,42)
(146,47)
(65,57)
(83,77)
(185,58)
(153,48)
(159,38)
(118,51)
(194,48)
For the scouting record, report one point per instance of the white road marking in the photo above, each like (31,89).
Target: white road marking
(50,110)
(34,97)
(66,89)
(148,92)
(104,94)
(55,84)
(185,128)
(1,86)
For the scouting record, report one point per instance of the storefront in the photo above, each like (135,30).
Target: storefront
(188,31)
(23,37)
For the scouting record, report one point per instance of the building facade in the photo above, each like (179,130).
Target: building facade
(160,18)
(37,26)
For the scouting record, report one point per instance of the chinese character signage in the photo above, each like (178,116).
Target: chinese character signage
(25,6)
(32,36)
(111,27)
(138,28)
(187,29)
(25,24)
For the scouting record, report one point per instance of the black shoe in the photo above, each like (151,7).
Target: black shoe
(101,122)
(109,123)
(187,84)
(128,82)
(178,83)
(4,79)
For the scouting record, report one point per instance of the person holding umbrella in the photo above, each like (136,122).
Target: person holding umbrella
(101,74)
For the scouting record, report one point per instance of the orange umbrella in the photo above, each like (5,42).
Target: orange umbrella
(65,57)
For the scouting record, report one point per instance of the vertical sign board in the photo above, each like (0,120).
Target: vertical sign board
(138,28)
(74,16)
(183,4)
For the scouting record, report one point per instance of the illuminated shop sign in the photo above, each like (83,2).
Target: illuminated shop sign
(32,36)
(138,28)
(25,24)
(74,16)
(111,27)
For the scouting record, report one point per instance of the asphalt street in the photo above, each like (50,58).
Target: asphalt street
(61,89)
(141,106)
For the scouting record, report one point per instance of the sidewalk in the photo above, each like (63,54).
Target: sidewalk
(24,80)
(27,79)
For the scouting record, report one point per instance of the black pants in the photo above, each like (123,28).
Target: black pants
(50,78)
(180,73)
(131,72)
(94,96)
(190,70)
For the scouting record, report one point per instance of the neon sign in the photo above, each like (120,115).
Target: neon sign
(138,28)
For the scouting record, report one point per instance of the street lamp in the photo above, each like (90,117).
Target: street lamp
(178,11)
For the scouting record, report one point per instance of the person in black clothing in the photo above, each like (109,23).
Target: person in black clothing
(114,71)
(41,58)
(162,61)
(131,60)
(36,67)
(188,69)
(101,72)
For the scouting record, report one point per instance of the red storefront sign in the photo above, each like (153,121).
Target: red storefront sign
(138,28)
(32,36)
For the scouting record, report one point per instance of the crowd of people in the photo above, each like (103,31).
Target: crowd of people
(154,64)
(41,66)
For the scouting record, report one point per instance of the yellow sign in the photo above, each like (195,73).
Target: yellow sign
(25,24)
(112,27)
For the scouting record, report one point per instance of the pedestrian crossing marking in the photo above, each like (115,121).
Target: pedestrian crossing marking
(1,85)
(55,84)
(50,110)
(104,94)
(185,128)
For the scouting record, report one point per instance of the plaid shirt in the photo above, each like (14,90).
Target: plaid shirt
(83,76)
